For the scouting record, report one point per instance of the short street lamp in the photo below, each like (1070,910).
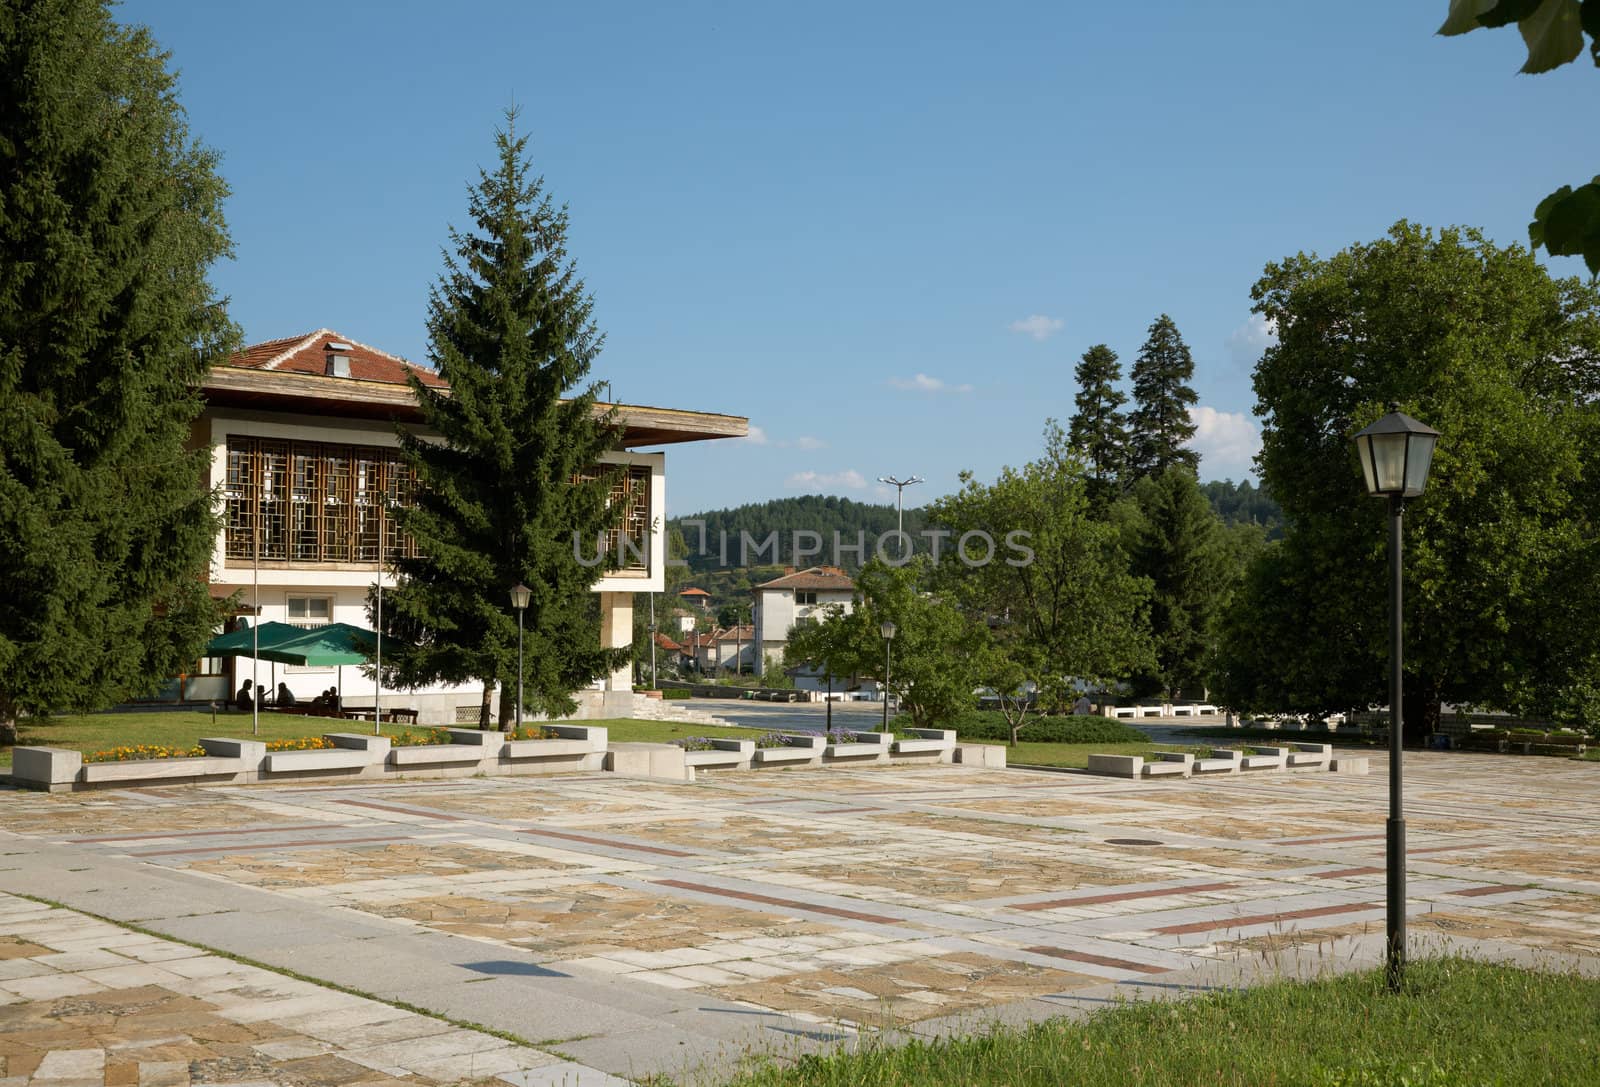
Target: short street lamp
(520,594)
(886,628)
(1396,453)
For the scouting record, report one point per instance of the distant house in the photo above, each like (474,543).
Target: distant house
(796,597)
(673,654)
(725,649)
(693,597)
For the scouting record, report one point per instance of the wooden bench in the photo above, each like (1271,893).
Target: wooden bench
(364,713)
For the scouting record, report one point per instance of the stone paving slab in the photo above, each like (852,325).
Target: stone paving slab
(641,926)
(81,1023)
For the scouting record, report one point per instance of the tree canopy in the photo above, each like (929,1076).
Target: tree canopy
(517,477)
(110,221)
(1099,429)
(1503,582)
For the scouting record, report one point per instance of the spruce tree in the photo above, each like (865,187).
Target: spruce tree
(110,217)
(1181,547)
(511,485)
(1098,430)
(1159,423)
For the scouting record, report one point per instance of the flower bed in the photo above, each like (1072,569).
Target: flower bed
(428,737)
(142,752)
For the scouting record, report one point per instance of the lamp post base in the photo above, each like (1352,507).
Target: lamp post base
(1395,948)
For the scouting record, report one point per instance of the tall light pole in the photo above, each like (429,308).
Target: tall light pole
(1396,453)
(377,671)
(520,594)
(900,486)
(886,628)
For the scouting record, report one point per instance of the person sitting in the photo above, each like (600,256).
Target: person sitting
(333,700)
(285,697)
(243,700)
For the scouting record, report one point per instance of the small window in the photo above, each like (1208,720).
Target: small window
(310,610)
(805,597)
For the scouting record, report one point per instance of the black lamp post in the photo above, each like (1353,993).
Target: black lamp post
(886,628)
(1396,453)
(519,600)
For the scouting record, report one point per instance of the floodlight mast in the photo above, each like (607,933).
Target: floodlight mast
(900,486)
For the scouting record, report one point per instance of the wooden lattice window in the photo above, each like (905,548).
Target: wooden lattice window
(313,502)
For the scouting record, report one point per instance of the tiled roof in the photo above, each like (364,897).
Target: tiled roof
(669,645)
(739,633)
(308,354)
(818,577)
(694,592)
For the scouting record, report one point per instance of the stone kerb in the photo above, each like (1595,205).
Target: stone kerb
(646,760)
(1122,766)
(989,756)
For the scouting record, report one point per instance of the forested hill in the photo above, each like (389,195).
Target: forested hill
(827,514)
(822,514)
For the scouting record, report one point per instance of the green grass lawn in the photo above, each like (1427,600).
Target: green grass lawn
(1457,1024)
(183,728)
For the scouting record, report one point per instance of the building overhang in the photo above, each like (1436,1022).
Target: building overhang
(253,389)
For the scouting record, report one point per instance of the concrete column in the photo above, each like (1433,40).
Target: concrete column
(616,632)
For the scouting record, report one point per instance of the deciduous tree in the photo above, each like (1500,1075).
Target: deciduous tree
(1502,565)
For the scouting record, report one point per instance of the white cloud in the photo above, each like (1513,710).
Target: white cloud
(759,436)
(1226,441)
(922,383)
(849,479)
(1038,326)
(1246,342)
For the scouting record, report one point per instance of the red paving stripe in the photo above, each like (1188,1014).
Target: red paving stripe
(1099,960)
(200,833)
(839,811)
(608,843)
(785,800)
(1264,918)
(267,847)
(1094,900)
(769,900)
(401,811)
(1340,873)
(1493,889)
(1447,848)
(1320,841)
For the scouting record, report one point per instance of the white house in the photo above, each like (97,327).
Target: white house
(302,433)
(796,597)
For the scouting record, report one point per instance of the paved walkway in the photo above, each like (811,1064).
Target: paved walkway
(638,927)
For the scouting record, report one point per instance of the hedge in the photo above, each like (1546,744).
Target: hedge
(1076,729)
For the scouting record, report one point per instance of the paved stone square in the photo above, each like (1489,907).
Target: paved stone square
(638,927)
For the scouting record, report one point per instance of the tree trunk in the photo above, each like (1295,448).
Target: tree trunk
(483,707)
(508,707)
(1420,709)
(8,732)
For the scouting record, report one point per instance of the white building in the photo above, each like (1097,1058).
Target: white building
(796,597)
(302,433)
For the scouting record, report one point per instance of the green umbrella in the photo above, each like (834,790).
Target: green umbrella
(324,646)
(244,641)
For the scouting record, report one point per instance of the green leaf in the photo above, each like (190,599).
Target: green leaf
(1542,212)
(1464,16)
(1553,34)
(1570,224)
(1510,11)
(1589,17)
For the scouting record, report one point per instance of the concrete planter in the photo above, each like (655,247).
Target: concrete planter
(322,761)
(926,745)
(724,755)
(861,747)
(435,755)
(138,771)
(799,749)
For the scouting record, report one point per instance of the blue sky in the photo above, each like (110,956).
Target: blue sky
(884,232)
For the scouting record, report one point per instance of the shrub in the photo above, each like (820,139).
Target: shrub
(675,692)
(533,732)
(1077,729)
(424,738)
